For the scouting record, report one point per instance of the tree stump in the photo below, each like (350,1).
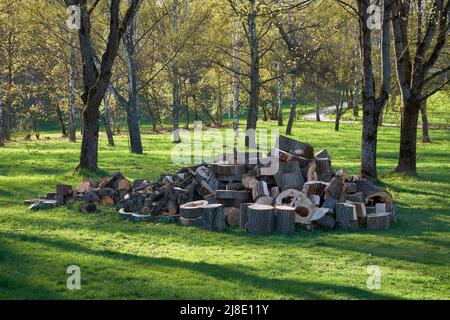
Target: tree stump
(309,171)
(379,221)
(243,217)
(380,197)
(329,203)
(192,210)
(213,217)
(232,216)
(260,219)
(285,219)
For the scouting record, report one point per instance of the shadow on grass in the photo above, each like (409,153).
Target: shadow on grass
(297,289)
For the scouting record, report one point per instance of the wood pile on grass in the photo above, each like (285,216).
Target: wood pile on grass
(292,186)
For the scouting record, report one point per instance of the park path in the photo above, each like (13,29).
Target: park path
(326,111)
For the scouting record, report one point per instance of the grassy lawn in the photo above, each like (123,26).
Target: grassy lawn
(122,260)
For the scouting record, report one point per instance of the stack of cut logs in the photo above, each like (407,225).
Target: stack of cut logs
(290,186)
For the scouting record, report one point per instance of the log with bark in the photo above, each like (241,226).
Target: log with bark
(260,219)
(192,209)
(324,169)
(259,189)
(243,217)
(295,147)
(304,207)
(213,217)
(232,216)
(285,219)
(346,217)
(324,218)
(379,221)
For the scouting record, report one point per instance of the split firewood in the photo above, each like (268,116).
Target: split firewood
(123,184)
(192,210)
(204,188)
(289,181)
(274,192)
(243,217)
(351,187)
(213,217)
(355,197)
(322,154)
(260,219)
(336,188)
(194,222)
(378,221)
(323,169)
(228,169)
(249,181)
(237,186)
(107,201)
(309,171)
(365,186)
(172,206)
(211,198)
(295,147)
(84,186)
(137,217)
(64,190)
(289,167)
(42,204)
(312,188)
(232,216)
(233,195)
(285,219)
(283,156)
(259,189)
(265,200)
(324,218)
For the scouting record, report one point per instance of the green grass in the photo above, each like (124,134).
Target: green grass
(122,260)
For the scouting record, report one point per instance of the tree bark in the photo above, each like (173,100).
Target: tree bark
(176,86)
(61,120)
(2,138)
(254,69)
(425,127)
(73,75)
(280,93)
(236,49)
(293,104)
(106,120)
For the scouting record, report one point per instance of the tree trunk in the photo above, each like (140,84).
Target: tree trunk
(132,110)
(176,86)
(425,127)
(236,49)
(89,145)
(408,139)
(73,75)
(2,138)
(254,70)
(106,120)
(293,105)
(317,105)
(280,94)
(61,120)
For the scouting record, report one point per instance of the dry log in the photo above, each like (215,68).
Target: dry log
(265,200)
(318,188)
(335,188)
(232,216)
(249,181)
(393,213)
(289,181)
(351,187)
(192,210)
(274,192)
(283,156)
(378,221)
(309,171)
(304,207)
(237,186)
(172,206)
(365,186)
(380,197)
(194,222)
(289,167)
(107,201)
(295,147)
(84,186)
(64,190)
(355,197)
(285,219)
(260,219)
(42,204)
(323,169)
(322,154)
(243,217)
(213,217)
(204,188)
(233,195)
(346,217)
(260,189)
(228,169)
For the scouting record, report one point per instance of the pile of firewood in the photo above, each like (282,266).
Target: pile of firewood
(290,186)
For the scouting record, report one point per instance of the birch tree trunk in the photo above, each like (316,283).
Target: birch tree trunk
(254,68)
(293,104)
(73,75)
(280,93)
(236,49)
